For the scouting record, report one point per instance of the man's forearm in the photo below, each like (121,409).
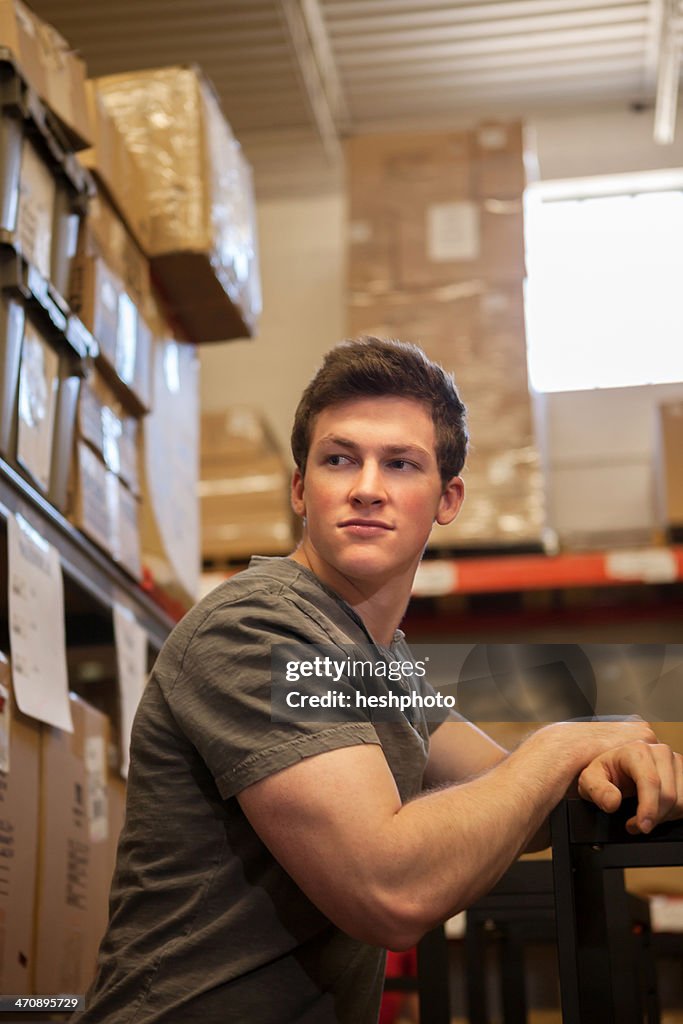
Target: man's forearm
(451,846)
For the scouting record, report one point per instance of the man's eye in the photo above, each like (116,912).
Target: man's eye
(401,464)
(337,460)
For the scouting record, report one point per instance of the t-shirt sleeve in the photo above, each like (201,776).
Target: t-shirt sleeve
(221,697)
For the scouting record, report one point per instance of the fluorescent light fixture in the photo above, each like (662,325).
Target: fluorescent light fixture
(668,71)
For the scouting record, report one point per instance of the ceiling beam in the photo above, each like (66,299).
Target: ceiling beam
(318,70)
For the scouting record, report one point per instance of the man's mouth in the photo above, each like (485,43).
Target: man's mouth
(365,527)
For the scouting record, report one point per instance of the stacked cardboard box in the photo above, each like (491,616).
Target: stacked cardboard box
(116,169)
(198,191)
(436,257)
(19,794)
(62,811)
(75,858)
(105,484)
(50,65)
(244,488)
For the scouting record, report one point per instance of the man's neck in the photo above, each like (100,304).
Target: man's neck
(380,604)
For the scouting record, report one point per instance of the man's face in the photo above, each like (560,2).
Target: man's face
(372,489)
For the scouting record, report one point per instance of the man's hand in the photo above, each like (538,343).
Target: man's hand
(651,770)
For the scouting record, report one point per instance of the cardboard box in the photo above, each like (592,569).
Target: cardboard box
(669,469)
(115,169)
(50,65)
(99,297)
(434,208)
(18,32)
(235,435)
(436,257)
(11,334)
(125,527)
(387,167)
(19,795)
(498,155)
(91,497)
(441,241)
(74,861)
(71,371)
(109,428)
(35,212)
(169,466)
(245,507)
(104,234)
(203,231)
(38,384)
(504,502)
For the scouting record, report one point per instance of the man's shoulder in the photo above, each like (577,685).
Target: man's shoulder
(271,591)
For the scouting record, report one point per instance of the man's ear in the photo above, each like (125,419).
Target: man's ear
(450,501)
(297,493)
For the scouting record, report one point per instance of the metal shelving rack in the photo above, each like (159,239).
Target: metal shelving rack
(82,562)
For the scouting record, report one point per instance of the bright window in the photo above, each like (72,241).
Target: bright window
(604,302)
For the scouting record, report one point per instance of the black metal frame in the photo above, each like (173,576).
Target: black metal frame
(603,973)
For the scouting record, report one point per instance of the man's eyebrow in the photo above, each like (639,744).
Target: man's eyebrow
(386,449)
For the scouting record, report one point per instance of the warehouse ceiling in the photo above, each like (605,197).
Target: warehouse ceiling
(297,76)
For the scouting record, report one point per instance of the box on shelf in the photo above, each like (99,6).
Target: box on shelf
(104,233)
(111,429)
(19,795)
(104,509)
(441,241)
(235,435)
(199,193)
(245,509)
(244,487)
(42,369)
(50,65)
(504,502)
(169,467)
(43,190)
(100,298)
(116,169)
(36,405)
(669,469)
(503,159)
(11,335)
(436,257)
(435,208)
(74,853)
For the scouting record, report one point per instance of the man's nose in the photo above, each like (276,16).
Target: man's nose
(368,487)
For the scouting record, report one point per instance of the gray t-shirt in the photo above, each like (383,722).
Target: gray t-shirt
(205,926)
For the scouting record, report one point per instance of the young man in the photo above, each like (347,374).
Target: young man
(264,864)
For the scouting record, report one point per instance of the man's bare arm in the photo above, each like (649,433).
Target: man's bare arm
(386,872)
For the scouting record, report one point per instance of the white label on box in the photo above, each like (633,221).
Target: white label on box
(111,439)
(452,232)
(38,381)
(126,338)
(96,776)
(652,565)
(360,232)
(4,728)
(131,660)
(492,137)
(36,626)
(172,368)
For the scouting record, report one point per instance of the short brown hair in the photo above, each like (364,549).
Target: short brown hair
(377,366)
